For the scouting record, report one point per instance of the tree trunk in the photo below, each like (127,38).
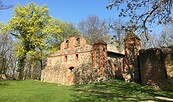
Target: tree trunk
(41,66)
(21,68)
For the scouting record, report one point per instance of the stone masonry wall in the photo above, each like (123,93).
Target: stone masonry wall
(131,66)
(115,65)
(72,64)
(79,63)
(99,57)
(156,67)
(58,71)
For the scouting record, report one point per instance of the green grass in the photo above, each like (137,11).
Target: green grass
(109,91)
(33,91)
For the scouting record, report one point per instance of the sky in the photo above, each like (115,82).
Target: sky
(67,10)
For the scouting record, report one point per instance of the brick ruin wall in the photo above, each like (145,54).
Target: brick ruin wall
(153,67)
(99,58)
(115,65)
(79,63)
(106,63)
(68,72)
(71,64)
(130,61)
(156,67)
(82,64)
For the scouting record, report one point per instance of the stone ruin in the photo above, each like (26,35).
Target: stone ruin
(80,63)
(156,67)
(130,62)
(153,67)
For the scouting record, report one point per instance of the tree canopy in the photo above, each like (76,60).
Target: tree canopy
(93,29)
(32,26)
(143,13)
(67,30)
(166,38)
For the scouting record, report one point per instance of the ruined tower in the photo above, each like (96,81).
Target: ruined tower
(99,59)
(131,63)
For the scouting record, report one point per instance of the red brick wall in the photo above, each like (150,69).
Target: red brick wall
(130,61)
(99,53)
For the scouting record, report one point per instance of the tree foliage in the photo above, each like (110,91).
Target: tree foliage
(143,13)
(32,26)
(67,30)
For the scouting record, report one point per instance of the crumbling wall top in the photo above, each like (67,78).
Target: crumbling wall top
(131,35)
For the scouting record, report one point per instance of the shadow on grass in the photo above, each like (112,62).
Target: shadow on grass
(4,83)
(116,90)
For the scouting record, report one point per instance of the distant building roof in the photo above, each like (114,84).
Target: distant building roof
(112,48)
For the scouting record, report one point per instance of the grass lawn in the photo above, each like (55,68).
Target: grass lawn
(109,91)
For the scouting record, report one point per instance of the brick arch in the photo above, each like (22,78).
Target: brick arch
(71,68)
(67,43)
(77,41)
(77,36)
(70,75)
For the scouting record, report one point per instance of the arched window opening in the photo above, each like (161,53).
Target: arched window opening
(104,49)
(71,69)
(77,57)
(77,41)
(67,44)
(65,58)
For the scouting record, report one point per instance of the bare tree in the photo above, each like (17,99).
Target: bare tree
(152,41)
(7,56)
(119,32)
(93,29)
(166,38)
(2,6)
(143,13)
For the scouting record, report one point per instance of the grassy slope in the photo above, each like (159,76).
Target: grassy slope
(112,90)
(33,91)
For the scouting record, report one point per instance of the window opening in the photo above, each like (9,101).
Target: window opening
(78,41)
(65,59)
(67,44)
(77,57)
(71,69)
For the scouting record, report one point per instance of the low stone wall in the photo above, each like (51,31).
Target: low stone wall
(156,67)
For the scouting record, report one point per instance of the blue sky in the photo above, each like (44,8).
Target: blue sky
(68,10)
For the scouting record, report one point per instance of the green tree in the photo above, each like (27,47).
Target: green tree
(67,30)
(32,26)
